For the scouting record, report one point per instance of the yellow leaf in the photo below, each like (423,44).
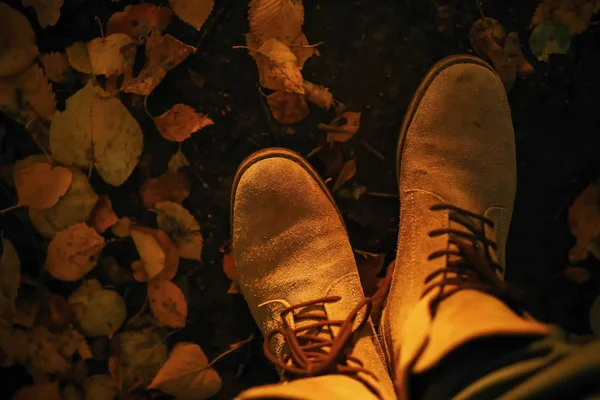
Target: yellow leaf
(73,252)
(79,58)
(96,127)
(302,49)
(152,255)
(18,41)
(595,316)
(140,356)
(10,277)
(40,185)
(122,228)
(193,12)
(287,107)
(171,259)
(584,221)
(98,311)
(167,303)
(575,14)
(75,206)
(318,95)
(180,122)
(277,67)
(48,11)
(103,216)
(183,228)
(187,375)
(348,171)
(163,53)
(56,65)
(279,19)
(138,21)
(106,57)
(42,391)
(99,387)
(177,161)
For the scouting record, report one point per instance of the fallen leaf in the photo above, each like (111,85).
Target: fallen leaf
(575,15)
(98,311)
(513,49)
(26,312)
(318,95)
(277,67)
(41,391)
(279,19)
(584,221)
(151,254)
(122,228)
(163,53)
(187,374)
(342,128)
(549,37)
(167,187)
(180,122)
(73,252)
(41,185)
(97,128)
(56,65)
(138,21)
(287,107)
(141,354)
(18,41)
(56,313)
(577,274)
(347,172)
(79,58)
(302,49)
(193,12)
(168,247)
(99,387)
(48,11)
(103,216)
(10,277)
(332,157)
(182,227)
(75,206)
(167,303)
(177,161)
(380,295)
(71,393)
(118,275)
(369,266)
(105,54)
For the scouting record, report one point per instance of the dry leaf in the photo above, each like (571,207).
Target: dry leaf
(167,303)
(140,356)
(96,127)
(73,252)
(10,277)
(187,375)
(287,107)
(138,21)
(41,185)
(549,37)
(106,57)
(332,157)
(41,391)
(277,67)
(75,206)
(99,387)
(56,65)
(177,161)
(575,14)
(193,12)
(103,216)
(369,266)
(122,228)
(26,313)
(151,254)
(342,128)
(584,221)
(302,50)
(348,171)
(79,58)
(163,53)
(180,122)
(56,313)
(168,247)
(279,19)
(167,187)
(577,274)
(98,311)
(118,275)
(48,11)
(18,41)
(513,49)
(182,227)
(318,95)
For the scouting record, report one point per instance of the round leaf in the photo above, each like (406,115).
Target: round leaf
(97,311)
(550,37)
(193,12)
(140,356)
(105,54)
(41,185)
(178,223)
(17,41)
(167,302)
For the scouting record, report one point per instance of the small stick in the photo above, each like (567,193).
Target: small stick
(314,151)
(372,150)
(383,194)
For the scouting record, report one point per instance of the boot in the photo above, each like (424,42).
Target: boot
(457,175)
(297,273)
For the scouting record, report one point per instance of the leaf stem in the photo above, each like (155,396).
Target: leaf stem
(11,208)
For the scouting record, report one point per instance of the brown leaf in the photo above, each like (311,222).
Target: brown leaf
(193,12)
(229,270)
(118,275)
(56,313)
(383,288)
(318,95)
(513,49)
(167,302)
(287,107)
(56,65)
(167,187)
(342,128)
(40,185)
(584,221)
(103,216)
(279,19)
(369,266)
(177,161)
(595,316)
(138,21)
(301,48)
(277,67)
(122,228)
(163,53)
(577,274)
(348,171)
(180,122)
(41,391)
(151,254)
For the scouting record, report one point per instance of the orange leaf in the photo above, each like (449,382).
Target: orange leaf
(122,228)
(229,267)
(342,128)
(180,122)
(318,95)
(302,50)
(139,20)
(287,107)
(348,171)
(168,247)
(40,185)
(170,186)
(103,216)
(167,302)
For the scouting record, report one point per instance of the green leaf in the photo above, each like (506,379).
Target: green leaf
(549,37)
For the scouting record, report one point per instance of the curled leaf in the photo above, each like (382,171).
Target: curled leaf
(179,122)
(180,225)
(287,107)
(18,41)
(193,12)
(41,185)
(139,20)
(97,311)
(318,95)
(167,303)
(167,187)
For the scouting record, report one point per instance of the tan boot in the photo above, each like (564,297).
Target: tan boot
(457,177)
(297,272)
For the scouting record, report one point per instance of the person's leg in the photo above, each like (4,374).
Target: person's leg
(297,272)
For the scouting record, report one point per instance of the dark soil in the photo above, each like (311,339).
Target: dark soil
(374,55)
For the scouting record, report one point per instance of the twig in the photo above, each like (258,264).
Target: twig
(306,45)
(383,194)
(313,152)
(10,208)
(479,6)
(146,108)
(372,150)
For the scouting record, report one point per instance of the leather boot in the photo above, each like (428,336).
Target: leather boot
(297,273)
(457,176)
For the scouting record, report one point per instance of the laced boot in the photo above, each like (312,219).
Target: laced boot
(457,176)
(297,273)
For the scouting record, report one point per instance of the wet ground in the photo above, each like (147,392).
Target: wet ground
(373,57)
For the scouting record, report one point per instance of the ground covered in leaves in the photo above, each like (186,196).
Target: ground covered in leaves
(115,268)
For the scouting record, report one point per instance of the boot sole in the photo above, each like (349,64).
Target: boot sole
(438,68)
(277,152)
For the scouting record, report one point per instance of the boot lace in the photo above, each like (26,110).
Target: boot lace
(313,349)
